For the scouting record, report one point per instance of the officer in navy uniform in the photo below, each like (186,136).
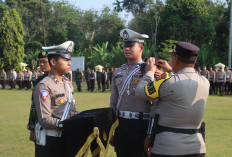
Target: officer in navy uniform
(54,102)
(133,113)
(182,94)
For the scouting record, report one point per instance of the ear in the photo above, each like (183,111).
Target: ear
(53,61)
(141,47)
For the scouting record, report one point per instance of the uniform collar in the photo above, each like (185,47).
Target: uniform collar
(53,77)
(186,70)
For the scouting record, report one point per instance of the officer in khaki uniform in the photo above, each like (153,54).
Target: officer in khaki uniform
(205,72)
(54,102)
(221,80)
(27,79)
(3,78)
(34,76)
(228,81)
(212,89)
(20,77)
(181,94)
(133,113)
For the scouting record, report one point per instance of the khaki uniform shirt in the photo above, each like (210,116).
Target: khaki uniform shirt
(205,73)
(181,104)
(27,77)
(34,76)
(20,77)
(221,76)
(129,102)
(228,76)
(3,76)
(49,95)
(212,76)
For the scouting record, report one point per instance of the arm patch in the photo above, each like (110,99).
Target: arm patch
(152,89)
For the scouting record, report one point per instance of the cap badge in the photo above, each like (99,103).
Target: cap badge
(44,53)
(125,35)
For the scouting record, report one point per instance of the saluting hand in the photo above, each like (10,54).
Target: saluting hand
(151,65)
(164,65)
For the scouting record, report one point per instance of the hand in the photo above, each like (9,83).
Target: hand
(151,65)
(111,142)
(32,136)
(164,65)
(158,74)
(146,143)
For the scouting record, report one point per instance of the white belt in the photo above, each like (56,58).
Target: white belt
(53,133)
(133,115)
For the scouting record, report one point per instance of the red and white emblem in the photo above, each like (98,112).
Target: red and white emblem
(44,94)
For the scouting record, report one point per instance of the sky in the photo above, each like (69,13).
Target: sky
(98,5)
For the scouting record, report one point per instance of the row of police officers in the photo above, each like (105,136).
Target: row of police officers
(220,80)
(159,106)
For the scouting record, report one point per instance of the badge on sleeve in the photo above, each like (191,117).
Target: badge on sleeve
(44,94)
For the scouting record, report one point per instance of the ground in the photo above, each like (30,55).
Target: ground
(14,113)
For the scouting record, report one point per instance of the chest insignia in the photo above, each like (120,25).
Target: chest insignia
(61,101)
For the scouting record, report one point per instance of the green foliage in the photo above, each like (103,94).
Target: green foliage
(164,49)
(32,47)
(11,38)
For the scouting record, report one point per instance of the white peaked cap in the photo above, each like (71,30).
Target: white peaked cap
(130,35)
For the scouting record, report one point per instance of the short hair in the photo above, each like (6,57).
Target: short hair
(190,60)
(55,56)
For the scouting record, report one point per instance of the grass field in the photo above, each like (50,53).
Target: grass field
(14,112)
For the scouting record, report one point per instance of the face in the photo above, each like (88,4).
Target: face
(204,68)
(44,65)
(210,68)
(62,65)
(134,52)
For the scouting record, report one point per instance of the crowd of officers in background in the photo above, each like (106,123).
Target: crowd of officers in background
(220,79)
(101,77)
(23,79)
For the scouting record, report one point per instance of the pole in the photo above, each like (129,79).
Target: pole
(230,39)
(44,35)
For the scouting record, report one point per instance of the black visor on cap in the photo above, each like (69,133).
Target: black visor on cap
(129,43)
(65,55)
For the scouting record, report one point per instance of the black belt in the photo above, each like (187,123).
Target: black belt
(161,129)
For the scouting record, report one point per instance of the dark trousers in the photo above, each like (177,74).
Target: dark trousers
(88,85)
(98,84)
(28,84)
(78,86)
(54,148)
(12,84)
(221,87)
(129,137)
(103,82)
(191,155)
(107,84)
(20,84)
(227,88)
(212,88)
(215,88)
(92,85)
(3,84)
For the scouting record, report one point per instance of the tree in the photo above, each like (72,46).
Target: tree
(186,20)
(11,37)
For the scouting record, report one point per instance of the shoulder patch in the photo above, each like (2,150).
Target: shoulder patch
(44,94)
(152,89)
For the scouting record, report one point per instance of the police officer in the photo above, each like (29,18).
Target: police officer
(34,75)
(205,72)
(199,70)
(103,79)
(98,79)
(182,97)
(221,80)
(87,73)
(12,80)
(228,81)
(45,67)
(216,85)
(3,78)
(27,79)
(78,79)
(92,78)
(51,97)
(133,113)
(212,81)
(108,78)
(20,77)
(110,75)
